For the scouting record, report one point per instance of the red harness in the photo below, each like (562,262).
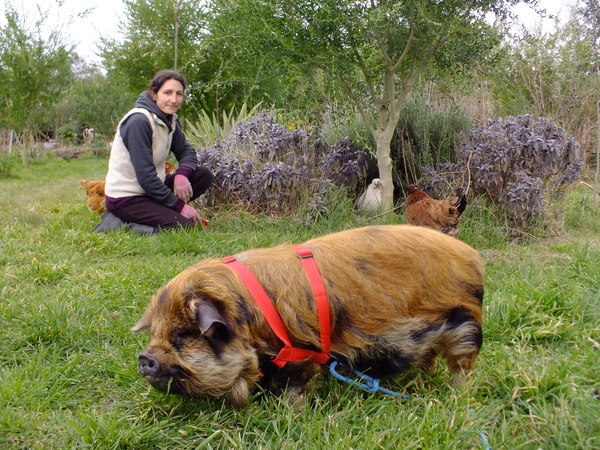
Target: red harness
(288,352)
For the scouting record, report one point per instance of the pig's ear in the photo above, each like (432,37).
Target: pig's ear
(211,321)
(143,324)
(146,321)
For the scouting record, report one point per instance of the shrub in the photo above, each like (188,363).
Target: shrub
(7,165)
(427,134)
(515,162)
(268,168)
(211,128)
(67,133)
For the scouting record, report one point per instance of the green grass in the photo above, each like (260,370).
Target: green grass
(68,363)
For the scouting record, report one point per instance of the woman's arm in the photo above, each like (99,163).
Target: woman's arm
(184,152)
(136,133)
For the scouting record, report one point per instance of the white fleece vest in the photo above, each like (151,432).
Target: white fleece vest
(120,179)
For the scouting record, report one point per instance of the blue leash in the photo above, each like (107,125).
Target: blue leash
(371,384)
(485,443)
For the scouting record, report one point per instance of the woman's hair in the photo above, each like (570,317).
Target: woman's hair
(164,75)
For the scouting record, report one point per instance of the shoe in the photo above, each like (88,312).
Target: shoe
(140,228)
(109,222)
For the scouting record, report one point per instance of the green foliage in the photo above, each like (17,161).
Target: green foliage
(346,123)
(68,363)
(67,133)
(373,52)
(94,100)
(553,75)
(158,34)
(209,129)
(583,211)
(428,133)
(8,163)
(35,71)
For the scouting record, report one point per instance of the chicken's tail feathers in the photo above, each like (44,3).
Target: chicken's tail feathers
(461,200)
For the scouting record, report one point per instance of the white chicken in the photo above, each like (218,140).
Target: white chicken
(370,200)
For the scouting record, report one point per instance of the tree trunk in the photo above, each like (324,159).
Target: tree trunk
(388,113)
(385,166)
(10,140)
(176,38)
(176,44)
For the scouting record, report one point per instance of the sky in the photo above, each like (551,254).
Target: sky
(105,16)
(102,20)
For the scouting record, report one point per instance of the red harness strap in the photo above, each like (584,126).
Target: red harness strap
(289,352)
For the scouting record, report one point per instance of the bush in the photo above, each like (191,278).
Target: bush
(210,128)
(67,133)
(515,162)
(268,169)
(427,134)
(7,165)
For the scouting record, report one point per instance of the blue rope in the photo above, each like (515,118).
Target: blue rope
(485,443)
(369,384)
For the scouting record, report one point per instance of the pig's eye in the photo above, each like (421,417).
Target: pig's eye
(180,337)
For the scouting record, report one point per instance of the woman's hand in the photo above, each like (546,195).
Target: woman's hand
(190,213)
(182,188)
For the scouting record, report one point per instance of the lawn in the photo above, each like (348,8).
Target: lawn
(68,362)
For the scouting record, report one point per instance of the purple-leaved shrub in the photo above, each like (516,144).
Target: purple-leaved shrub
(516,162)
(268,168)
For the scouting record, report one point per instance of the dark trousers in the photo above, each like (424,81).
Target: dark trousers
(146,211)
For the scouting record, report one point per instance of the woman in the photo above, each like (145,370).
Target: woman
(139,194)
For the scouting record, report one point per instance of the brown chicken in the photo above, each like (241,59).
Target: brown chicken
(169,168)
(95,194)
(442,215)
(95,190)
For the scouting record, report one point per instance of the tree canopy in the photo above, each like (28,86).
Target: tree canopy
(158,34)
(35,70)
(375,51)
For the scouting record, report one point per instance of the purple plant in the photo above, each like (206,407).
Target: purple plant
(516,162)
(275,186)
(343,166)
(267,168)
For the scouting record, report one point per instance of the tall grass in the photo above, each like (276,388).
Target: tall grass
(210,128)
(68,363)
(428,133)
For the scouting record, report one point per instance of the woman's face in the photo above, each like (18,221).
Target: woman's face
(169,97)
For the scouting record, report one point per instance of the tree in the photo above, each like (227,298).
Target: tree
(34,72)
(590,20)
(158,34)
(554,74)
(93,100)
(375,51)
